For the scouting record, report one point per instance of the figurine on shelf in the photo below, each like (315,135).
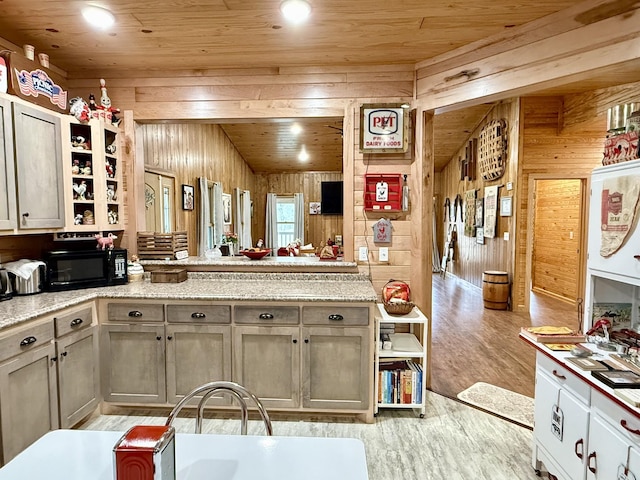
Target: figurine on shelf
(111,149)
(78,219)
(80,190)
(111,193)
(112,216)
(78,141)
(110,171)
(92,102)
(88,218)
(86,170)
(75,168)
(79,109)
(105,242)
(105,104)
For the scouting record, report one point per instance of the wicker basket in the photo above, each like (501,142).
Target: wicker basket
(398,308)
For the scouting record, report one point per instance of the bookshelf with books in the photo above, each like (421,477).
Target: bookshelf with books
(400,360)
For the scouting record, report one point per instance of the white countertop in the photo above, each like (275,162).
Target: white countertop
(88,455)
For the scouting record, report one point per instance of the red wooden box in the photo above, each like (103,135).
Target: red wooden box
(373,202)
(146,452)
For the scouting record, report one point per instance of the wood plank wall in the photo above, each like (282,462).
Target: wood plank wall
(548,150)
(470,258)
(557,238)
(318,228)
(191,151)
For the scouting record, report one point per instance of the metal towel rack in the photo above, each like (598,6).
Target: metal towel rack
(235,390)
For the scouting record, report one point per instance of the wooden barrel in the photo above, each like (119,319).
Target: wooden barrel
(495,290)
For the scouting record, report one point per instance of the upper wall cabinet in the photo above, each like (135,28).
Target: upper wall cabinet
(38,164)
(7,173)
(93,185)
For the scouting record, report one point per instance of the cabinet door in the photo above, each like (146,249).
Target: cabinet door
(608,452)
(197,354)
(132,361)
(336,368)
(267,362)
(78,375)
(566,442)
(37,138)
(28,400)
(7,172)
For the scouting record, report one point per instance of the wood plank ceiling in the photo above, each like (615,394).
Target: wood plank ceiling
(153,36)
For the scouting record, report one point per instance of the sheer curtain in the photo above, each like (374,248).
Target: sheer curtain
(205,216)
(298,200)
(271,227)
(243,214)
(218,214)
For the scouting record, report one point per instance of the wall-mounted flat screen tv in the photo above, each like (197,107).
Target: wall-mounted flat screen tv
(331,198)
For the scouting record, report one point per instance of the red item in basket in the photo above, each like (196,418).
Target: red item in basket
(396,289)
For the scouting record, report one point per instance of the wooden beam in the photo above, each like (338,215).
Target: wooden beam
(581,107)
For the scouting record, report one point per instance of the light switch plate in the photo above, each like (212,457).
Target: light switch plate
(506,235)
(363,254)
(383,254)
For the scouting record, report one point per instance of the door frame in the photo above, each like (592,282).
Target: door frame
(585,188)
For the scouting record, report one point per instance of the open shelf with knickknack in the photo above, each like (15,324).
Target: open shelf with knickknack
(93,174)
(400,360)
(383,192)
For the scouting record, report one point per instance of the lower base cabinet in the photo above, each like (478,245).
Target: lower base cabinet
(28,399)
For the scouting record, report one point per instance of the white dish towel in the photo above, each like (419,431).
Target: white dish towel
(23,268)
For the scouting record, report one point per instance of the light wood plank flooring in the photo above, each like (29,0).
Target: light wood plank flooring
(473,344)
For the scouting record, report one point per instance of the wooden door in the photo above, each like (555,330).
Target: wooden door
(28,399)
(132,359)
(7,171)
(197,354)
(38,150)
(336,368)
(267,362)
(557,238)
(78,375)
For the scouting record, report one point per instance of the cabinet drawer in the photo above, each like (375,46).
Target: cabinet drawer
(199,313)
(25,339)
(616,416)
(73,321)
(335,316)
(565,378)
(135,312)
(267,314)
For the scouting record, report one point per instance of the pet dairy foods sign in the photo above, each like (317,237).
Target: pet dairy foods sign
(383,128)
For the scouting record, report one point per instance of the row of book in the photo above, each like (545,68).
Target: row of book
(400,382)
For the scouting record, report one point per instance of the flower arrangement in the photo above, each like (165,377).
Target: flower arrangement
(230,237)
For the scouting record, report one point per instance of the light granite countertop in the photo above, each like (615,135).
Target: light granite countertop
(262,287)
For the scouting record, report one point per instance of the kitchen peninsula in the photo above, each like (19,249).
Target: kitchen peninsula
(302,342)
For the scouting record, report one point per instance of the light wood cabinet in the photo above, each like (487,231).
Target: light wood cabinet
(78,375)
(7,170)
(197,354)
(38,164)
(267,362)
(132,358)
(28,397)
(336,363)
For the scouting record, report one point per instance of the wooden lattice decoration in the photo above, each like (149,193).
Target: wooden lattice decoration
(492,149)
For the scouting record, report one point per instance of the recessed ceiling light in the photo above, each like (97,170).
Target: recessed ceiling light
(295,11)
(98,17)
(303,156)
(296,129)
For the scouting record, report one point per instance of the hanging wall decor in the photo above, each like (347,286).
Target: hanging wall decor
(492,150)
(490,211)
(470,213)
(384,128)
(468,163)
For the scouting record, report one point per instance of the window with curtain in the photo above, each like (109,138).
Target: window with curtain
(286,220)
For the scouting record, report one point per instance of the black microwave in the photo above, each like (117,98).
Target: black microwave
(69,270)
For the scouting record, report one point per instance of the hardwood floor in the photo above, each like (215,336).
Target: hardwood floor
(473,344)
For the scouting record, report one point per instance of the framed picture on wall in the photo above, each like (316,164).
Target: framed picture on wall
(226,208)
(480,235)
(480,212)
(188,199)
(505,206)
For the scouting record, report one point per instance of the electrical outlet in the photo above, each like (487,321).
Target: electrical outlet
(383,254)
(363,254)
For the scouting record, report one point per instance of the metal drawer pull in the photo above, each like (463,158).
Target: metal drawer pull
(266,316)
(75,322)
(63,354)
(559,375)
(198,315)
(336,316)
(592,455)
(28,341)
(579,443)
(629,429)
(135,313)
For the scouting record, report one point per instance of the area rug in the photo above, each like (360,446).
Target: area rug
(498,401)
